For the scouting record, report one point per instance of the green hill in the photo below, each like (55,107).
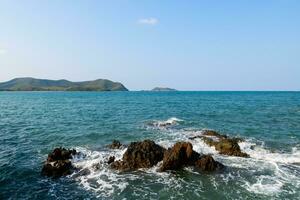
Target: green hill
(32,84)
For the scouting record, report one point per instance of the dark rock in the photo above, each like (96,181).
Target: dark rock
(111,159)
(181,154)
(57,168)
(207,163)
(143,154)
(115,145)
(60,154)
(82,172)
(58,163)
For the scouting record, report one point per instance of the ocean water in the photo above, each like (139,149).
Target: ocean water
(33,123)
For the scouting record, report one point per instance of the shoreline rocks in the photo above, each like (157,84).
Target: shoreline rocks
(58,162)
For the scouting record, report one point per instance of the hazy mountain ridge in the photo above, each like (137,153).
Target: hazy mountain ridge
(33,84)
(163,89)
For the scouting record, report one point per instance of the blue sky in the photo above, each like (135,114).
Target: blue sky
(188,45)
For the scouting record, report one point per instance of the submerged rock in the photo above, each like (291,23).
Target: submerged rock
(223,144)
(116,144)
(58,163)
(143,154)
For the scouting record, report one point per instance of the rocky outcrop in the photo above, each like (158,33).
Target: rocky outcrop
(223,144)
(116,144)
(146,154)
(143,154)
(182,154)
(58,163)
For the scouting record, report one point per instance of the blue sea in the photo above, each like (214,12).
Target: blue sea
(32,124)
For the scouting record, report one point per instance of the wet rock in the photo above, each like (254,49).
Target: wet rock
(207,163)
(96,166)
(116,144)
(60,154)
(223,144)
(230,147)
(181,154)
(82,172)
(213,133)
(58,163)
(111,159)
(143,154)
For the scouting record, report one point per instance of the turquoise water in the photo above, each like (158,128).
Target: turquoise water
(33,123)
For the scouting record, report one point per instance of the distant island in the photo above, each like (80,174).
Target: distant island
(33,84)
(161,89)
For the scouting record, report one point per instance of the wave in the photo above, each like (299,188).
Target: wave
(94,173)
(261,153)
(163,124)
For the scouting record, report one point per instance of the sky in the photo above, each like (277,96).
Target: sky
(187,45)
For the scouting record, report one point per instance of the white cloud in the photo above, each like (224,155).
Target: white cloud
(148,21)
(3,51)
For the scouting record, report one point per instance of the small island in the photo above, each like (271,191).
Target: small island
(33,84)
(163,89)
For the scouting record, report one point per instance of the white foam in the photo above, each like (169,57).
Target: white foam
(266,185)
(100,179)
(259,152)
(166,123)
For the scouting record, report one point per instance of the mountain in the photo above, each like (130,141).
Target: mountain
(162,89)
(32,84)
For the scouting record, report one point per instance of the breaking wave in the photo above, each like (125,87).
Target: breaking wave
(160,124)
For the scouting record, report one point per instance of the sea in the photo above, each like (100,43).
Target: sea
(32,124)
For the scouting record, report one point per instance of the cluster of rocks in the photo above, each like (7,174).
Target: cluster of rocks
(146,154)
(58,162)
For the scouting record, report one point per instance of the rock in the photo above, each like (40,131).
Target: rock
(58,163)
(60,154)
(207,163)
(96,166)
(111,159)
(223,144)
(213,133)
(181,154)
(82,172)
(116,144)
(230,147)
(143,154)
